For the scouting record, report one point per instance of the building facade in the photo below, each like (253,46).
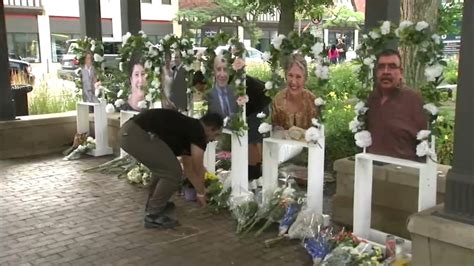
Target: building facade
(37,30)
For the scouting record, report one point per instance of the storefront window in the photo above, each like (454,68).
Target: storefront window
(24,46)
(59,45)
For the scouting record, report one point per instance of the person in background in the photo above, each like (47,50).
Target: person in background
(395,113)
(341,49)
(333,54)
(157,147)
(166,83)
(89,79)
(179,86)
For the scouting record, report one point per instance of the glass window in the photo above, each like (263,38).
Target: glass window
(24,45)
(166,2)
(146,1)
(59,45)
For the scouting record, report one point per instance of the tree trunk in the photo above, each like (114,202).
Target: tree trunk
(287,17)
(415,11)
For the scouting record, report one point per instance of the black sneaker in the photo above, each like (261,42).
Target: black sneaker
(160,221)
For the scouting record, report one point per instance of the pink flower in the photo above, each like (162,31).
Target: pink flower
(242,100)
(223,155)
(238,64)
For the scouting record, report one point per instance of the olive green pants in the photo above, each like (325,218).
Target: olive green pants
(155,154)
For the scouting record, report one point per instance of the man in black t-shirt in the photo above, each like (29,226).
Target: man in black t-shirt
(155,138)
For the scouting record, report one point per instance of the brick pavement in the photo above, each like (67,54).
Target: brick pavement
(52,213)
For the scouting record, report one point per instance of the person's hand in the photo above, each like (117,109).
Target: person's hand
(202,199)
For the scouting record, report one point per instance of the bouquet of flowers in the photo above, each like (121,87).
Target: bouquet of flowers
(139,174)
(218,195)
(307,225)
(83,147)
(244,208)
(223,160)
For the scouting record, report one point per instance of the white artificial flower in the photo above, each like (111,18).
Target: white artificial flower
(315,122)
(98,58)
(355,125)
(125,38)
(167,37)
(317,48)
(203,69)
(434,71)
(119,94)
(264,128)
(160,48)
(360,108)
(92,42)
(374,35)
(119,102)
(190,52)
(266,56)
(187,67)
(421,25)
(423,149)
(90,139)
(261,115)
(152,90)
(93,47)
(141,32)
(385,28)
(184,41)
(121,66)
(142,104)
(109,108)
(397,32)
(322,72)
(312,134)
(238,82)
(436,38)
(157,71)
(440,119)
(363,139)
(365,36)
(319,101)
(368,61)
(423,134)
(149,97)
(226,120)
(431,108)
(276,42)
(148,64)
(149,45)
(268,85)
(405,24)
(153,52)
(174,45)
(155,83)
(189,91)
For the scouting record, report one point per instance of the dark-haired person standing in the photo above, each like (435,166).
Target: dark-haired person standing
(155,138)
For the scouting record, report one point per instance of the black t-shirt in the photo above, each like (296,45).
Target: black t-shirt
(174,128)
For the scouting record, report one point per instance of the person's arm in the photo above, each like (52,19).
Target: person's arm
(198,172)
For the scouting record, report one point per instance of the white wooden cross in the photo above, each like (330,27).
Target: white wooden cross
(363,180)
(271,149)
(239,161)
(100,126)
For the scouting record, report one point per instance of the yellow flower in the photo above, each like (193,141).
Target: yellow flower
(347,107)
(345,96)
(333,94)
(209,176)
(446,137)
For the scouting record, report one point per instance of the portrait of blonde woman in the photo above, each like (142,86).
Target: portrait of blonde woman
(294,105)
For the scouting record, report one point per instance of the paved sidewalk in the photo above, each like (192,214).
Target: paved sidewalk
(53,213)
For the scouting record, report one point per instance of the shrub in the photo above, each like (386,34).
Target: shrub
(260,71)
(45,100)
(343,80)
(451,72)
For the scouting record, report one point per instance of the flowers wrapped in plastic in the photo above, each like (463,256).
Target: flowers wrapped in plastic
(306,225)
(83,146)
(218,194)
(244,208)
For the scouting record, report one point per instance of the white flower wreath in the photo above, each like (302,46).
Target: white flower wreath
(306,45)
(96,48)
(430,55)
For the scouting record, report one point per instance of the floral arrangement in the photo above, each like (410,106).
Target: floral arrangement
(429,55)
(223,160)
(96,48)
(217,194)
(139,174)
(83,146)
(282,46)
(125,167)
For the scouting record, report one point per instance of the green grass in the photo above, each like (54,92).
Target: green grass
(46,100)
